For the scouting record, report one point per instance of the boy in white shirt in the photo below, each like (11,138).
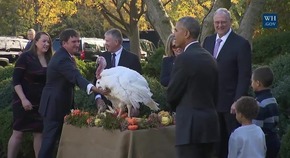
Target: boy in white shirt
(247,141)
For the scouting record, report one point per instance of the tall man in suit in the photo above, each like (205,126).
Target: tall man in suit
(116,55)
(30,37)
(233,56)
(192,93)
(57,96)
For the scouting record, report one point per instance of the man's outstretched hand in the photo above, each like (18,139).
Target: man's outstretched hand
(100,90)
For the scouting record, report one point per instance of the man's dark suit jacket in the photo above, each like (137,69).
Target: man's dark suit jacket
(192,93)
(234,67)
(28,45)
(167,64)
(57,95)
(127,59)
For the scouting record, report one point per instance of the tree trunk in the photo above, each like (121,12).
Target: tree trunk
(207,24)
(159,19)
(250,18)
(134,38)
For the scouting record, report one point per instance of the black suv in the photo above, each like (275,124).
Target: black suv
(89,48)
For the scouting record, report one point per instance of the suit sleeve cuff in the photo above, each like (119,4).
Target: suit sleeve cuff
(98,96)
(89,87)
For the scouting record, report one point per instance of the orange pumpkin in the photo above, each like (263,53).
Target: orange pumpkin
(133,127)
(131,121)
(124,115)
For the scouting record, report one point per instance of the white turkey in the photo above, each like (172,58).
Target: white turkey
(128,87)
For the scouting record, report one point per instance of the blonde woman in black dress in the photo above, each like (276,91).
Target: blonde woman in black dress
(29,78)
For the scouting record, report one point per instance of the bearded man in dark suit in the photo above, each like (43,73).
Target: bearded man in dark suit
(233,56)
(116,55)
(192,93)
(57,95)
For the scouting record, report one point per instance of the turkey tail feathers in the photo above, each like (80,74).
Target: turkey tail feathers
(153,105)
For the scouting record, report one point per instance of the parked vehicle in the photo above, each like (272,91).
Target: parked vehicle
(10,47)
(147,47)
(89,48)
(4,62)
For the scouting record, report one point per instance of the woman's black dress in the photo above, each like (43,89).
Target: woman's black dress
(30,74)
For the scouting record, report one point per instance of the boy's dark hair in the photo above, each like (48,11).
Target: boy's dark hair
(264,75)
(67,33)
(248,107)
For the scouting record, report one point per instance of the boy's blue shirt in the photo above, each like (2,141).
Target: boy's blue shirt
(268,115)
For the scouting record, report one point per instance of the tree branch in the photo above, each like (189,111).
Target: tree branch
(120,24)
(105,11)
(142,11)
(202,5)
(236,14)
(164,4)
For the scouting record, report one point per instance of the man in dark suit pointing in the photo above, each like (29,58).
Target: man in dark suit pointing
(57,96)
(233,56)
(192,93)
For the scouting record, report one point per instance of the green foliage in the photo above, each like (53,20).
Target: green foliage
(6,72)
(281,88)
(6,90)
(285,145)
(5,130)
(280,67)
(87,69)
(6,87)
(90,19)
(83,100)
(9,20)
(281,93)
(26,150)
(267,47)
(111,122)
(159,92)
(153,66)
(77,118)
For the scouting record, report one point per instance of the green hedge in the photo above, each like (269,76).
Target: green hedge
(6,72)
(87,69)
(267,47)
(281,88)
(26,150)
(152,67)
(6,92)
(281,67)
(285,145)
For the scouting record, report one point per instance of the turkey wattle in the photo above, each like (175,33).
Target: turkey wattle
(128,87)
